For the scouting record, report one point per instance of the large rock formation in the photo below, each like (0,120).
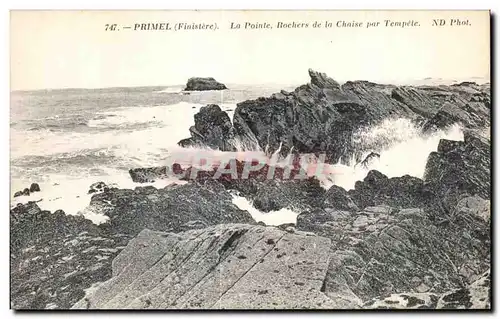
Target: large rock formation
(220,267)
(203,84)
(321,116)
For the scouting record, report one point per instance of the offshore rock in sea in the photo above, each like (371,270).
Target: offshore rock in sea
(203,84)
(24,192)
(230,266)
(212,128)
(34,187)
(55,257)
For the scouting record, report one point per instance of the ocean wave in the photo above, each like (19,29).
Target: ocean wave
(171,89)
(403,150)
(84,157)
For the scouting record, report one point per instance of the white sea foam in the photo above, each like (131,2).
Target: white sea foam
(171,89)
(273,218)
(405,153)
(71,194)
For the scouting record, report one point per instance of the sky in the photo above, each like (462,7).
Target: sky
(71,49)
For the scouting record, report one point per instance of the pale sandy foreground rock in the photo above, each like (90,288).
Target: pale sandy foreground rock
(224,266)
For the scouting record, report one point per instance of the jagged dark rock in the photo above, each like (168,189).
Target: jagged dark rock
(402,192)
(169,209)
(467,104)
(401,242)
(34,188)
(337,198)
(473,296)
(148,175)
(55,257)
(382,251)
(270,188)
(460,169)
(212,128)
(204,84)
(98,187)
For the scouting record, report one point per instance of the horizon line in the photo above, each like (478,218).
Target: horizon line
(407,82)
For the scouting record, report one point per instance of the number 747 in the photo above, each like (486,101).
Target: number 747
(110,27)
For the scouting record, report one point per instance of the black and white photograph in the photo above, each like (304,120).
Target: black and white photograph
(250,160)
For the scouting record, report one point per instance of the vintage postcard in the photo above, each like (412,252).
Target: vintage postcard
(318,160)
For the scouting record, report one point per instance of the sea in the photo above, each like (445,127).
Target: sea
(67,139)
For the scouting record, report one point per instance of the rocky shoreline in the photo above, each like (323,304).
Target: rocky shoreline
(389,243)
(321,116)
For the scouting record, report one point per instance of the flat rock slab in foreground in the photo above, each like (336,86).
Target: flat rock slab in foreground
(224,266)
